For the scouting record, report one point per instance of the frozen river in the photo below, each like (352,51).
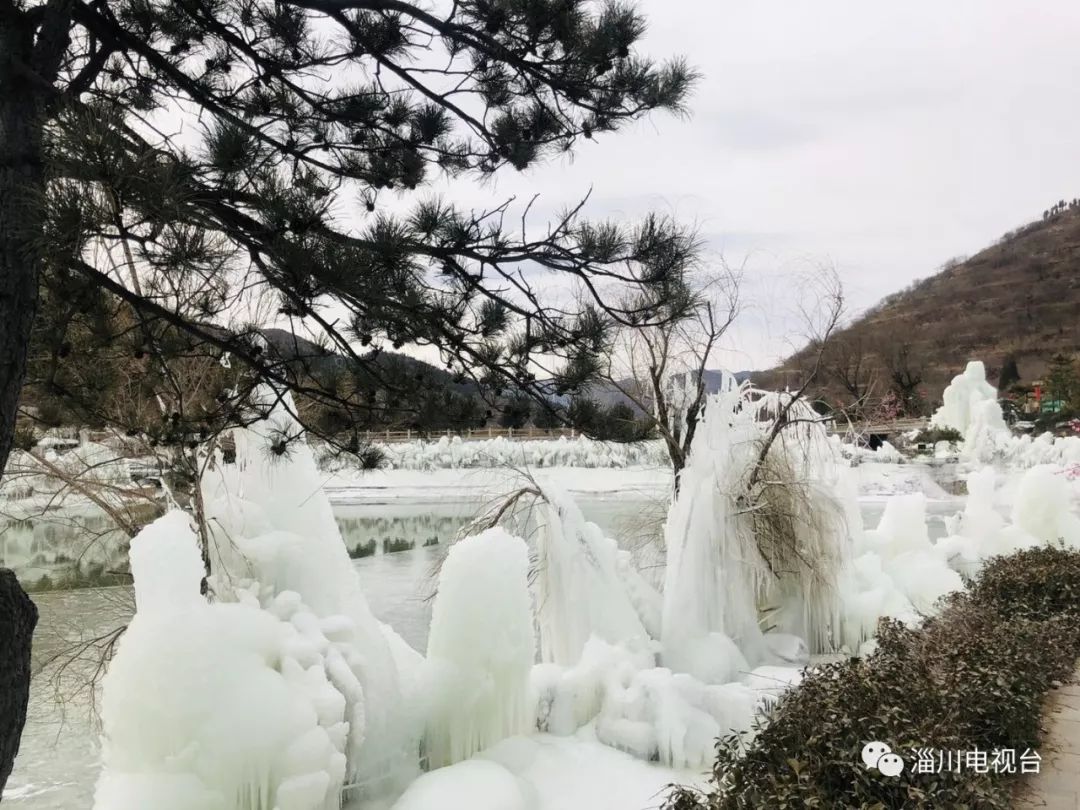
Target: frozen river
(58,760)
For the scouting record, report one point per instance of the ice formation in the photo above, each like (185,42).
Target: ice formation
(981,531)
(481,648)
(1043,507)
(581,588)
(675,719)
(204,707)
(965,401)
(88,463)
(550,773)
(454,452)
(476,784)
(971,407)
(327,699)
(272,528)
(897,571)
(716,576)
(858,454)
(288,654)
(645,710)
(593,615)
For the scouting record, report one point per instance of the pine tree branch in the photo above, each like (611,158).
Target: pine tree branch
(231,345)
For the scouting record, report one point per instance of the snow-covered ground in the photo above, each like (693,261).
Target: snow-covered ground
(545,772)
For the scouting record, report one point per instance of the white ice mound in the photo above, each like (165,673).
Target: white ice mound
(203,708)
(646,711)
(674,719)
(1043,507)
(971,408)
(476,784)
(481,648)
(964,398)
(716,575)
(980,531)
(898,571)
(273,533)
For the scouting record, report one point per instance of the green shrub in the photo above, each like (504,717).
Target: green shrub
(939,434)
(973,677)
(1038,584)
(362,550)
(1055,422)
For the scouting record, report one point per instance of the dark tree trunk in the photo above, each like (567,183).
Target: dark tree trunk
(21,184)
(21,187)
(18,616)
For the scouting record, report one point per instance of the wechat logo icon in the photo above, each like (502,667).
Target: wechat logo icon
(879,755)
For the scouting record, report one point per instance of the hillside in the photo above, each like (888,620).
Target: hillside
(1018,298)
(385,365)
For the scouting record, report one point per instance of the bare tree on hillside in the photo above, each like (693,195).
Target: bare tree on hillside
(906,370)
(851,363)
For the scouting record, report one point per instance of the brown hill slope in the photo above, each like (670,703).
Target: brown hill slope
(1019,298)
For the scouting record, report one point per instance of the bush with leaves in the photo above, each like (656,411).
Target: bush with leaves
(1057,422)
(939,434)
(971,678)
(1037,584)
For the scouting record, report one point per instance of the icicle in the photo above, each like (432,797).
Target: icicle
(579,591)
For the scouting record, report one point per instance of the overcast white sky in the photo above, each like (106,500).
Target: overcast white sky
(878,138)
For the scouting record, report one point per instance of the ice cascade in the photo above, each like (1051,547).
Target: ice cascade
(273,533)
(581,588)
(481,648)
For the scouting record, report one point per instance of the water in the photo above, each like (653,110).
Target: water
(80,548)
(58,760)
(61,546)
